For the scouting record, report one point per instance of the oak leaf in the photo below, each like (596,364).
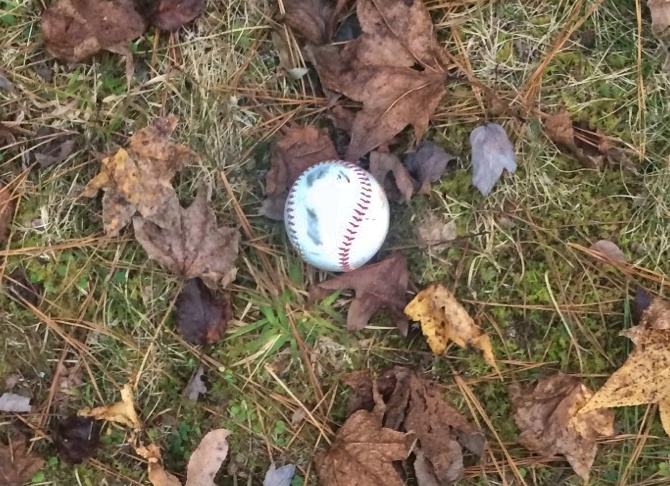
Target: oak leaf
(415,404)
(122,412)
(379,69)
(194,245)
(645,376)
(590,146)
(201,314)
(300,148)
(380,285)
(137,179)
(546,414)
(444,319)
(17,464)
(363,451)
(74,30)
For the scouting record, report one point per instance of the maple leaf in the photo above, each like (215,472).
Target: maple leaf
(415,404)
(492,152)
(137,179)
(194,245)
(583,141)
(299,149)
(74,30)
(17,464)
(380,285)
(645,376)
(313,19)
(444,319)
(363,451)
(202,315)
(547,416)
(378,70)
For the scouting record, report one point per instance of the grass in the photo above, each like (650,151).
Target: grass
(547,304)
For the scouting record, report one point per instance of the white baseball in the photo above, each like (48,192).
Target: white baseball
(336,216)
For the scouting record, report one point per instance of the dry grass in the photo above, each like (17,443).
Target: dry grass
(547,301)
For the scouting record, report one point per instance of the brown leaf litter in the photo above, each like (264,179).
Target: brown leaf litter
(193,245)
(7,206)
(201,314)
(137,179)
(396,68)
(660,16)
(170,15)
(444,319)
(546,414)
(313,19)
(416,405)
(52,146)
(586,143)
(17,464)
(300,148)
(427,164)
(610,250)
(364,451)
(122,412)
(392,176)
(77,438)
(645,376)
(379,285)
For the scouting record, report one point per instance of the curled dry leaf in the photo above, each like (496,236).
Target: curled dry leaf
(392,176)
(313,19)
(380,285)
(137,179)
(414,404)
(645,376)
(158,476)
(444,319)
(546,414)
(660,16)
(172,14)
(300,148)
(17,464)
(492,152)
(378,70)
(122,412)
(363,451)
(77,438)
(207,458)
(194,245)
(427,164)
(11,402)
(610,250)
(586,143)
(202,314)
(74,30)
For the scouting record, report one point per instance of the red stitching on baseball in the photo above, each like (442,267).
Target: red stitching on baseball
(359,212)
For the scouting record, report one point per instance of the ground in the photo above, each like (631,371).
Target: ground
(519,267)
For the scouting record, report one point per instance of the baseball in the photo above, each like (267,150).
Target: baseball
(336,216)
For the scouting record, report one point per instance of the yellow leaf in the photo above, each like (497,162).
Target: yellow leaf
(122,412)
(444,319)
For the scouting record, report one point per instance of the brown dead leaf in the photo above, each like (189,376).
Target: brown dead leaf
(137,179)
(17,464)
(158,476)
(300,148)
(122,412)
(546,414)
(172,14)
(414,404)
(207,458)
(363,451)
(77,438)
(19,285)
(427,164)
(380,285)
(194,246)
(436,231)
(379,69)
(645,376)
(586,143)
(7,206)
(392,176)
(52,146)
(610,250)
(444,319)
(313,19)
(202,315)
(74,30)
(196,385)
(660,16)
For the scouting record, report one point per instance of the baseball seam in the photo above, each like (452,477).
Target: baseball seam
(360,210)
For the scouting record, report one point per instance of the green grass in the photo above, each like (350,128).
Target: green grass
(546,305)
